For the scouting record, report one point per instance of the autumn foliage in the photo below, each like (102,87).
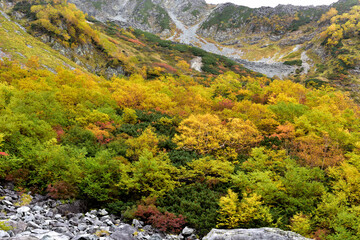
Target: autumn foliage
(232,150)
(167,222)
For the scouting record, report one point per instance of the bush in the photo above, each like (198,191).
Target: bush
(61,190)
(81,138)
(294,62)
(197,202)
(316,83)
(119,207)
(166,222)
(181,157)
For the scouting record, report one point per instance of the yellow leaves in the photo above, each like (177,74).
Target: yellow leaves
(286,91)
(150,175)
(148,141)
(85,116)
(344,25)
(210,170)
(251,208)
(241,134)
(200,132)
(53,18)
(129,116)
(208,134)
(347,179)
(328,15)
(229,216)
(259,114)
(235,213)
(183,65)
(300,223)
(33,62)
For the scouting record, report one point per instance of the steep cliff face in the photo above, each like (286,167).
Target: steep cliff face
(147,15)
(142,14)
(188,12)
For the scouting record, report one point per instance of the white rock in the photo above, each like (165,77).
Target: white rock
(7,202)
(103,212)
(23,209)
(253,234)
(187,231)
(4,234)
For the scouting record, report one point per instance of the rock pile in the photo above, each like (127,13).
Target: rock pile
(42,218)
(47,219)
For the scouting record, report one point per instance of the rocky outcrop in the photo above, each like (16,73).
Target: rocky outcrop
(298,40)
(42,218)
(253,234)
(269,69)
(196,64)
(47,219)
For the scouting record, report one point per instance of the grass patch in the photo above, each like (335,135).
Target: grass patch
(21,46)
(297,62)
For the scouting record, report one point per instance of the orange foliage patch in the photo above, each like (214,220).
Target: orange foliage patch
(167,67)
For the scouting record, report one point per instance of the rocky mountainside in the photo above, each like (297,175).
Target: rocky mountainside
(262,39)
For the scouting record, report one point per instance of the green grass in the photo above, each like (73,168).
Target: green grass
(230,16)
(20,46)
(296,62)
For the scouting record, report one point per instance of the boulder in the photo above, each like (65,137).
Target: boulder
(4,234)
(23,210)
(253,234)
(187,231)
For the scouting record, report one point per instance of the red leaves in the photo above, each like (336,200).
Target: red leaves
(166,222)
(166,66)
(59,132)
(3,154)
(61,190)
(224,104)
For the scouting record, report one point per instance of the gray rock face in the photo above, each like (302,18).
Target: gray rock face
(253,234)
(269,69)
(196,64)
(151,16)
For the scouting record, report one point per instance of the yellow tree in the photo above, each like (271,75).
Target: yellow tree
(146,141)
(208,134)
(210,170)
(150,175)
(202,133)
(235,213)
(229,215)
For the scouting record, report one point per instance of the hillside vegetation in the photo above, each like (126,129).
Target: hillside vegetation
(174,147)
(106,49)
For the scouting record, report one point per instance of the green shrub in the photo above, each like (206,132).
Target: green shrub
(294,62)
(81,138)
(197,202)
(4,226)
(313,82)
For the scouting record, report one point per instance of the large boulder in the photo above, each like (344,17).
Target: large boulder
(253,234)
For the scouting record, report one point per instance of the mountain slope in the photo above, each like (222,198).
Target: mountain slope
(169,145)
(106,49)
(261,39)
